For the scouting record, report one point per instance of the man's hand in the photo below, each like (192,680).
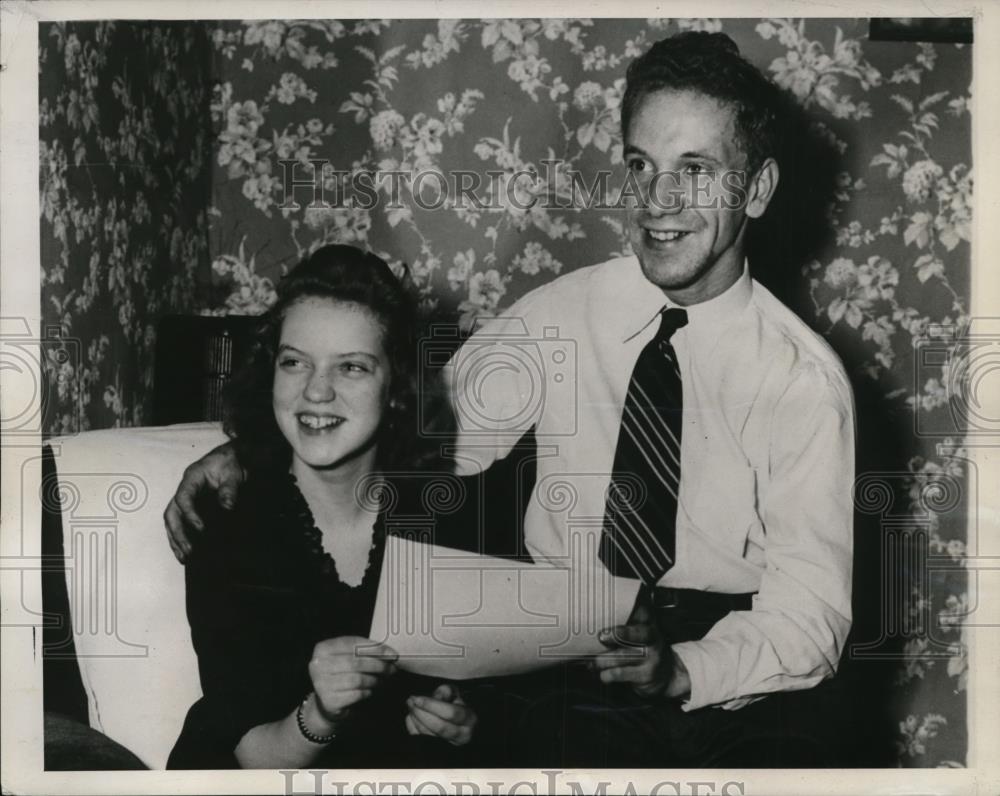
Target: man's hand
(217,471)
(642,658)
(443,715)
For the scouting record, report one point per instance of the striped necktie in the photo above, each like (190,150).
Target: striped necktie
(640,515)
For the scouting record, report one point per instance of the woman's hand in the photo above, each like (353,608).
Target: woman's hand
(346,670)
(443,715)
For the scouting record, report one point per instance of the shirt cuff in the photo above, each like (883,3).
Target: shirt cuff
(697,661)
(692,660)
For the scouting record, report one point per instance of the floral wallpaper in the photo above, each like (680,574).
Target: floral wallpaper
(869,241)
(124,154)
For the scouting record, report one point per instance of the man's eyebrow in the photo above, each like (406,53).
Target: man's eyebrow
(632,149)
(699,156)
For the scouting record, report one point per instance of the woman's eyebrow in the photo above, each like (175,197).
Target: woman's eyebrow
(357,354)
(339,355)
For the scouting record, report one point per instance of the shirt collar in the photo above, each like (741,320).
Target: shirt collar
(707,319)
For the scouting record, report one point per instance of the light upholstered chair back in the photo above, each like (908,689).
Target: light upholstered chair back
(125,588)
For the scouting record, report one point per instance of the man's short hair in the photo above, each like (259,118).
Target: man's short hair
(710,64)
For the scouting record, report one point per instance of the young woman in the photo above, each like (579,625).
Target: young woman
(280,594)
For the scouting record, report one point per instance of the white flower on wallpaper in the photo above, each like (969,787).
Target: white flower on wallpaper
(249,293)
(383,127)
(450,35)
(272,39)
(486,289)
(919,179)
(708,24)
(290,88)
(536,258)
(461,270)
(523,196)
(603,131)
(813,75)
(598,58)
(913,72)
(917,732)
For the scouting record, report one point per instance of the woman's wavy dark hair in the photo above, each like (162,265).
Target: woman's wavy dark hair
(345,274)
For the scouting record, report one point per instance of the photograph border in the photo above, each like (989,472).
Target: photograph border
(20,667)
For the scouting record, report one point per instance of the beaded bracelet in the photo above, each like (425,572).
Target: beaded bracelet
(308,734)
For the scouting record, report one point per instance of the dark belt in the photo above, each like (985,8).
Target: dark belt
(663,597)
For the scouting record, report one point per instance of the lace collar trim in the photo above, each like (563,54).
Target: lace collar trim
(295,510)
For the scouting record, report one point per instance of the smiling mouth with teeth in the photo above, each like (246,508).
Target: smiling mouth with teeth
(318,423)
(670,235)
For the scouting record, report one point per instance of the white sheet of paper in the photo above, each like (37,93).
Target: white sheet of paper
(458,615)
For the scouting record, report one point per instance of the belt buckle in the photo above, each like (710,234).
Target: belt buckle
(665,597)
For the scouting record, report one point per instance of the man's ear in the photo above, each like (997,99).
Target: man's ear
(762,188)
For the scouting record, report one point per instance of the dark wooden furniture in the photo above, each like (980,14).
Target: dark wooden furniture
(195,357)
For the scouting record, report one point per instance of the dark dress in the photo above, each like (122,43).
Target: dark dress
(261,592)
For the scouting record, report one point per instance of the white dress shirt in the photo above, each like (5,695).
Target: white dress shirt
(767,457)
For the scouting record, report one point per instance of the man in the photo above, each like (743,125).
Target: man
(732,416)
